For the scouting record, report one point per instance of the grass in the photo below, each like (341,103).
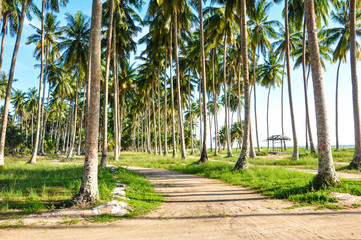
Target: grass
(278,183)
(47,186)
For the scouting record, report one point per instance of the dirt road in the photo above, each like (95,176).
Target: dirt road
(200,208)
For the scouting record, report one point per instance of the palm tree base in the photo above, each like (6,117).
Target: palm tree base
(356,162)
(84,199)
(324,180)
(242,162)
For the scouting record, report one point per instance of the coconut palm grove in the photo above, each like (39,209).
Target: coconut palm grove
(138,104)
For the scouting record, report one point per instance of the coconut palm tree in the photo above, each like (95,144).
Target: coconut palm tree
(270,72)
(341,36)
(261,30)
(10,18)
(104,159)
(10,81)
(89,192)
(75,46)
(354,25)
(243,162)
(326,170)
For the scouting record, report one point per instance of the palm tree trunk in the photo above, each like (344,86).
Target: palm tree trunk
(89,192)
(179,97)
(72,142)
(81,126)
(326,170)
(32,130)
(121,117)
(229,148)
(269,92)
(116,96)
(336,106)
(255,97)
(243,162)
(159,123)
(200,115)
(295,155)
(42,120)
(59,128)
(154,123)
(3,32)
(148,130)
(171,88)
(142,141)
(282,125)
(204,156)
(190,112)
(70,127)
(165,124)
(305,83)
(239,99)
(214,102)
(104,159)
(35,150)
(356,161)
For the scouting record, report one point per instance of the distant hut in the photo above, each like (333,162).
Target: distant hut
(278,139)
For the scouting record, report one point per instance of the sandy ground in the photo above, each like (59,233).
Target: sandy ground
(200,208)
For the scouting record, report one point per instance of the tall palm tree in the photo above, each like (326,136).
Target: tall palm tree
(261,30)
(243,162)
(104,158)
(356,161)
(10,81)
(89,192)
(295,155)
(54,5)
(10,18)
(75,44)
(270,72)
(326,170)
(341,36)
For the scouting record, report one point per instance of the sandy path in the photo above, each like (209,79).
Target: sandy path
(200,208)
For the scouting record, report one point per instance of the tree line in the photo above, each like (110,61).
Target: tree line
(197,61)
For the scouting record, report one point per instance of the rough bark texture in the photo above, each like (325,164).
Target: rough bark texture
(104,159)
(204,156)
(10,82)
(326,170)
(171,89)
(154,123)
(179,96)
(35,150)
(88,192)
(295,155)
(356,161)
(243,162)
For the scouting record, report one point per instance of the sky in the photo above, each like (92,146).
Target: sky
(27,77)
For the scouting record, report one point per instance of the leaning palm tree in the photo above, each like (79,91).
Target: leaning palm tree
(10,81)
(10,18)
(326,170)
(89,192)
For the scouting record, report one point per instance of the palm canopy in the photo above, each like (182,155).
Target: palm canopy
(75,40)
(341,35)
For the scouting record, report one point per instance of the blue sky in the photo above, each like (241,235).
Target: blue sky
(27,77)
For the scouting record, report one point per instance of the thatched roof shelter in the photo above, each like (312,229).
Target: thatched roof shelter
(278,139)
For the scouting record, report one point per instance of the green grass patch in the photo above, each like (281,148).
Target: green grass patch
(275,182)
